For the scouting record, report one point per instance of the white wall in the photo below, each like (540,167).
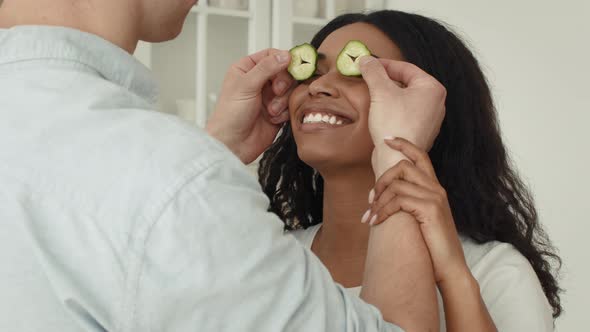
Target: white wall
(536,55)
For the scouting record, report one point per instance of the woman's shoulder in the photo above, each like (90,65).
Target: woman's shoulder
(509,286)
(480,256)
(306,236)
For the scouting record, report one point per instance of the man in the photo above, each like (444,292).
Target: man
(117,218)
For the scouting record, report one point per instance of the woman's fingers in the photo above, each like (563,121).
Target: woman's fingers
(401,187)
(381,208)
(418,156)
(403,170)
(412,205)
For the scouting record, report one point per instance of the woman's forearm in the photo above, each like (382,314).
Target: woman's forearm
(464,307)
(398,275)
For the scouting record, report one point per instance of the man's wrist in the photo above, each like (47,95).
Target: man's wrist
(384,158)
(227,142)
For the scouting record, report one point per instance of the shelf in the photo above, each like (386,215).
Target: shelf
(220,11)
(310,20)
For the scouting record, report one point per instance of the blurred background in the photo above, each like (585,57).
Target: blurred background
(533,53)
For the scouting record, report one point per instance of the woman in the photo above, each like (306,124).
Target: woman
(481,229)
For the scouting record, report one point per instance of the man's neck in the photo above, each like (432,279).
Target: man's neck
(109,19)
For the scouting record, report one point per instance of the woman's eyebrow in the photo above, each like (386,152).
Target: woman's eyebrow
(322,56)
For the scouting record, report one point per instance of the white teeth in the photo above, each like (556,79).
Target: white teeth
(322,118)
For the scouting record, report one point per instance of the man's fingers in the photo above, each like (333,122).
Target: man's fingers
(282,83)
(279,103)
(281,118)
(246,63)
(404,72)
(267,95)
(266,69)
(375,75)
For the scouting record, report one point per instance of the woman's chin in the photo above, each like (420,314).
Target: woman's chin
(328,160)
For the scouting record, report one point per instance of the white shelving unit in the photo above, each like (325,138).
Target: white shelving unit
(291,28)
(190,69)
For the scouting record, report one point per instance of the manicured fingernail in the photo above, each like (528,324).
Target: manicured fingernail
(276,107)
(388,138)
(373,220)
(366,216)
(366,59)
(371,196)
(282,57)
(281,86)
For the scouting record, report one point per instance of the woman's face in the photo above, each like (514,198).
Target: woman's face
(343,141)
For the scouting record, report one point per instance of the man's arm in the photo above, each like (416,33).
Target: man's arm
(399,278)
(398,275)
(215,260)
(407,102)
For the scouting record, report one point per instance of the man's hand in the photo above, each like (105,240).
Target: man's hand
(253,103)
(406,102)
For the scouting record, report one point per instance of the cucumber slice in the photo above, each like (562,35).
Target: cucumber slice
(304,59)
(348,60)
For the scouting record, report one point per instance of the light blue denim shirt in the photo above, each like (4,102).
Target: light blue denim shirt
(115,217)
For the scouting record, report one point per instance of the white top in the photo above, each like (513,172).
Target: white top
(118,218)
(509,286)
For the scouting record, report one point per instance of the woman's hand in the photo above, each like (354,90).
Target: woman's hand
(412,186)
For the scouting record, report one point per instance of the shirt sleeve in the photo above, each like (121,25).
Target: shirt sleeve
(216,260)
(512,292)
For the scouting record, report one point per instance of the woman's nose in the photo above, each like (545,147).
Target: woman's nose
(325,85)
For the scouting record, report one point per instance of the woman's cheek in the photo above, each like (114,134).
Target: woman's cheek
(297,98)
(360,99)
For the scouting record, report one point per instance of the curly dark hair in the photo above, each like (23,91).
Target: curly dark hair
(488,199)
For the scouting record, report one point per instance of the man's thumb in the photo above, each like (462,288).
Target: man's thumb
(374,73)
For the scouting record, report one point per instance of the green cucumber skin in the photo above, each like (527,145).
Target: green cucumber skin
(344,50)
(315,64)
(344,74)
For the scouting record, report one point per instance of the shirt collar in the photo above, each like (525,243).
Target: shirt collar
(26,43)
